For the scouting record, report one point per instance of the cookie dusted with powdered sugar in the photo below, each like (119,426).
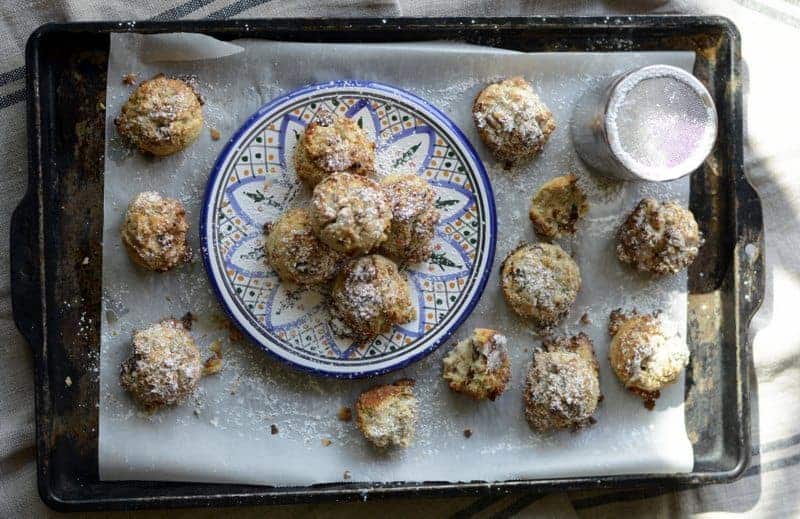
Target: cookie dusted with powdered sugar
(478,366)
(331,144)
(659,237)
(154,232)
(369,296)
(643,356)
(350,213)
(165,365)
(386,415)
(512,121)
(562,388)
(414,218)
(294,251)
(540,282)
(162,116)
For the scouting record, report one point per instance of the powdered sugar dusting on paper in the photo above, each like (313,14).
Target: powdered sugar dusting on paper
(261,422)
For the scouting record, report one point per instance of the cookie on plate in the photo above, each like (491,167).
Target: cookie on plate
(350,213)
(369,296)
(294,251)
(331,144)
(414,218)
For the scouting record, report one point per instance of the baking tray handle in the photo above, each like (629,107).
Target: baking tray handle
(25,283)
(750,248)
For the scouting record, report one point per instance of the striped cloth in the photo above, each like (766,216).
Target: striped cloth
(771,32)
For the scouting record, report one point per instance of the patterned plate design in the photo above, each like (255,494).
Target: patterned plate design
(254,181)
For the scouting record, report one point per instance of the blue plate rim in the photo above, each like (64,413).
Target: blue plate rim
(446,121)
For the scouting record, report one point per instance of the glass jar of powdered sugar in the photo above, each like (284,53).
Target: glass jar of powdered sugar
(655,123)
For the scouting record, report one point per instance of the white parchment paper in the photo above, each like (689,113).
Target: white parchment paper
(224,433)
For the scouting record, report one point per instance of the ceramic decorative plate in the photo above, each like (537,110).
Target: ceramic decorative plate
(253,182)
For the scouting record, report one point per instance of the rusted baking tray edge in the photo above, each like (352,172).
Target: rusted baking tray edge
(56,249)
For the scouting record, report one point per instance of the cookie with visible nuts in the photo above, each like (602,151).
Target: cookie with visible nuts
(512,121)
(154,232)
(478,366)
(659,237)
(386,415)
(350,213)
(165,366)
(162,116)
(562,387)
(414,218)
(333,144)
(295,253)
(369,296)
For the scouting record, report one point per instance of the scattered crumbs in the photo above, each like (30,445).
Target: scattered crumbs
(347,474)
(467,433)
(345,414)
(187,320)
(234,388)
(129,78)
(585,319)
(326,442)
(273,429)
(85,261)
(68,381)
(215,135)
(234,333)
(213,364)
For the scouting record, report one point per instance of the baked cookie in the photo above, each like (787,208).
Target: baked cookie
(512,121)
(557,206)
(331,144)
(154,232)
(350,213)
(642,356)
(414,218)
(562,388)
(369,296)
(540,281)
(295,253)
(659,237)
(387,414)
(478,366)
(165,366)
(162,116)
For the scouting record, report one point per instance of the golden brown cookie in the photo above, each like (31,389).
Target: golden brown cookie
(512,121)
(295,253)
(387,414)
(162,116)
(154,232)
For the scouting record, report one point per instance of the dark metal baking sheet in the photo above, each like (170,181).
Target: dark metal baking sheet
(56,297)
